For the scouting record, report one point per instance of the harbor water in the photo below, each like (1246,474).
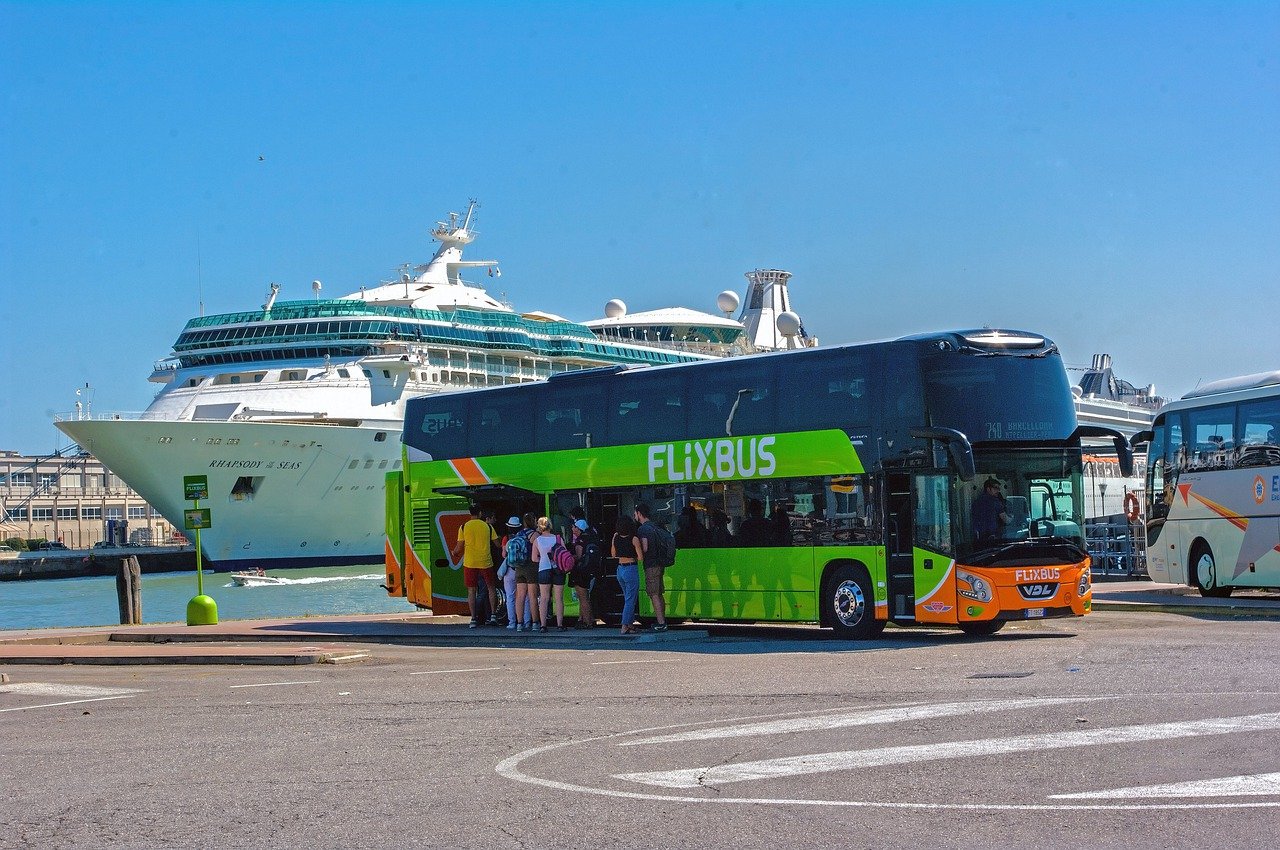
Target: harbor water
(74,602)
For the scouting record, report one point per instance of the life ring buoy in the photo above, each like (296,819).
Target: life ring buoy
(1131,507)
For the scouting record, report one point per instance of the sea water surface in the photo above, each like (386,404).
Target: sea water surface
(73,602)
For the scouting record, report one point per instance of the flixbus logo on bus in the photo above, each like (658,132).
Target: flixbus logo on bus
(709,460)
(1042,574)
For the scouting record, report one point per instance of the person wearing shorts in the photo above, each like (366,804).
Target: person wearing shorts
(654,585)
(550,578)
(474,550)
(527,587)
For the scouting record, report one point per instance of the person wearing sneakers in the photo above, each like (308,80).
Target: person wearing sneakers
(474,551)
(653,572)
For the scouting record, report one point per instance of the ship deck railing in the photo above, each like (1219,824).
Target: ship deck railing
(1117,548)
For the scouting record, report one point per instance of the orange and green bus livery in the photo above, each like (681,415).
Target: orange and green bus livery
(832,486)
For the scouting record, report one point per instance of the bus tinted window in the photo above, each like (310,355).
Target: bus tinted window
(829,391)
(501,422)
(645,409)
(746,392)
(445,427)
(565,418)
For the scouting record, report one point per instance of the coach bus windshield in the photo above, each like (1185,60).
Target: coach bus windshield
(1023,504)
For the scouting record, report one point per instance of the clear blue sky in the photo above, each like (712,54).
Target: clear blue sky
(1105,173)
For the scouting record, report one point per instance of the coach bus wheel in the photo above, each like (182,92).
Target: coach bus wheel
(850,603)
(982,628)
(1206,572)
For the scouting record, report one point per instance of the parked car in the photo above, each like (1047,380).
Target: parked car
(104,544)
(50,545)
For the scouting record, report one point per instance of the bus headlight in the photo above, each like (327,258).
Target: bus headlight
(979,590)
(1085,581)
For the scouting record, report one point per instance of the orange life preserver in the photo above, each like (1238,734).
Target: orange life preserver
(1131,506)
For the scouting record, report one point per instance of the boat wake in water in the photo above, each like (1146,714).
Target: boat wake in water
(267,581)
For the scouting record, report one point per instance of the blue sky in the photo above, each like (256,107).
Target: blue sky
(1105,173)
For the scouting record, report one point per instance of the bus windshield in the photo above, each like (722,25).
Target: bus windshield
(1022,503)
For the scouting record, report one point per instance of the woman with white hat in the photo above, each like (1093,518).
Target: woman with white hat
(514,525)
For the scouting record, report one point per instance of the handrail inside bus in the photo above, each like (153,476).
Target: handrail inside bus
(1124,452)
(958,448)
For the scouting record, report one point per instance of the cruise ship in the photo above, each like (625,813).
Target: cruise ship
(293,411)
(1103,399)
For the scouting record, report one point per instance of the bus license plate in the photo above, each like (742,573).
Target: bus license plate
(1034,612)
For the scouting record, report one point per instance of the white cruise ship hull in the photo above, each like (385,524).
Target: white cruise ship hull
(317,496)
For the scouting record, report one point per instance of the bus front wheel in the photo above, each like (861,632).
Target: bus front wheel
(851,603)
(982,628)
(1206,571)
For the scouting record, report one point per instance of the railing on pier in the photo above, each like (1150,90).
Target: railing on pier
(1118,548)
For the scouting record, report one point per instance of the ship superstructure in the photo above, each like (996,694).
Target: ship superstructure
(293,411)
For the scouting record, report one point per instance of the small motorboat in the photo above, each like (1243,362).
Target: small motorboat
(255,578)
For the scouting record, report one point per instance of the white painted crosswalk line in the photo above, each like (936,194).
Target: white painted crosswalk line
(850,760)
(51,689)
(868,717)
(1255,785)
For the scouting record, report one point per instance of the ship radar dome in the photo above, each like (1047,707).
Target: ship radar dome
(727,301)
(616,308)
(788,324)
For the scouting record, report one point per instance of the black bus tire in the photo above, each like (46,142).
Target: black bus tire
(1205,572)
(849,603)
(982,628)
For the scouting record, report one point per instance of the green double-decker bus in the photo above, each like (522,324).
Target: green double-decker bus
(849,486)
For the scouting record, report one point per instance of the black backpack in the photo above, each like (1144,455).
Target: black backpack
(592,560)
(662,547)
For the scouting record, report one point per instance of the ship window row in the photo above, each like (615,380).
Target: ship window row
(303,310)
(373,332)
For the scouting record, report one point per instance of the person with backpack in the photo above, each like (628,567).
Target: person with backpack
(625,546)
(657,552)
(589,553)
(550,575)
(520,558)
(507,572)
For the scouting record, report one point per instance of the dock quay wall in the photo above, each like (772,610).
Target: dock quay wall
(97,563)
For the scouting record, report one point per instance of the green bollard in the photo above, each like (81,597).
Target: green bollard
(202,611)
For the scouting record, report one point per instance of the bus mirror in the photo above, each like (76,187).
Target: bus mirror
(1124,452)
(959,449)
(1141,438)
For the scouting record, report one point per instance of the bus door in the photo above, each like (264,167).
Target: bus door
(899,551)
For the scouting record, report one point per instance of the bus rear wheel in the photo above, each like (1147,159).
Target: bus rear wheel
(982,628)
(1206,572)
(850,603)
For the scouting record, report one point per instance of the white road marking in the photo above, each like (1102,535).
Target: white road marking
(50,689)
(637,661)
(859,718)
(68,702)
(879,757)
(460,670)
(273,684)
(1254,785)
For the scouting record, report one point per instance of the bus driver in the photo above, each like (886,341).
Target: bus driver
(989,512)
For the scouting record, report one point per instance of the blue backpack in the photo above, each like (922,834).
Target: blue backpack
(518,551)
